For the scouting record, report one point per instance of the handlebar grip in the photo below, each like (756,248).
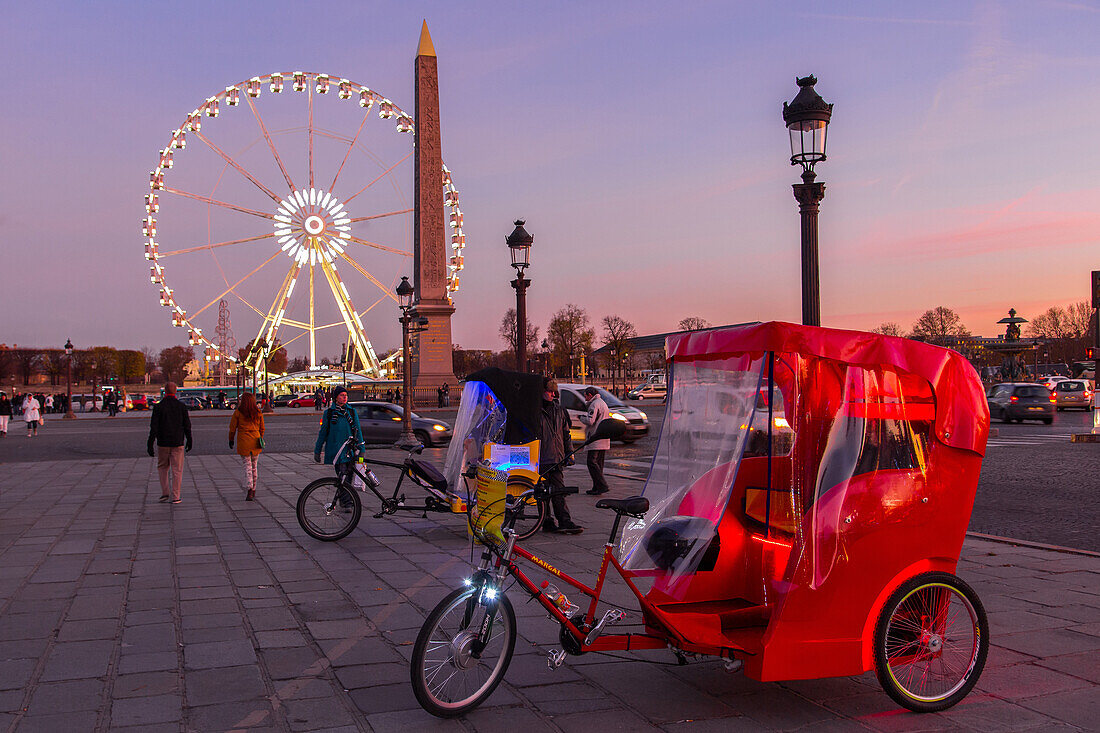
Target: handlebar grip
(560,491)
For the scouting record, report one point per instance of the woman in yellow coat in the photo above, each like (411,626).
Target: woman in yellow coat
(247,427)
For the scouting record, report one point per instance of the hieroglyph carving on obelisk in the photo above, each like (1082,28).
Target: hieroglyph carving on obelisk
(431,356)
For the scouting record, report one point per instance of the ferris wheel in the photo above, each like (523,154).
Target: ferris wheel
(301,177)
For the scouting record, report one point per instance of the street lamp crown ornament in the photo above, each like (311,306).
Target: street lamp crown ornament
(519,242)
(807,118)
(69,347)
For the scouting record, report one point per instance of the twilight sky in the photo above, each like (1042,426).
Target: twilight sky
(642,142)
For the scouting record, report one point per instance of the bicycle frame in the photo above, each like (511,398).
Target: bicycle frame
(390,504)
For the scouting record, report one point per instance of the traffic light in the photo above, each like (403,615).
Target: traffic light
(1090,352)
(1096,288)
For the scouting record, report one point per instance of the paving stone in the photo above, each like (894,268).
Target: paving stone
(1076,707)
(157,661)
(76,721)
(23,648)
(89,607)
(141,618)
(418,720)
(342,629)
(279,639)
(227,684)
(78,659)
(288,664)
(307,688)
(28,626)
(304,715)
(218,654)
(254,714)
(1048,642)
(347,652)
(609,721)
(150,638)
(985,714)
(658,696)
(1022,681)
(66,697)
(210,620)
(145,684)
(146,710)
(271,619)
(227,633)
(385,698)
(366,675)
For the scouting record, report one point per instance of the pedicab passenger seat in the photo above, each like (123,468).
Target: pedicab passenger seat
(428,473)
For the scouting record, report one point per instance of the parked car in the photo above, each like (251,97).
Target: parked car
(1050,381)
(303,401)
(649,391)
(282,400)
(192,403)
(1021,401)
(1072,393)
(572,399)
(381,423)
(138,402)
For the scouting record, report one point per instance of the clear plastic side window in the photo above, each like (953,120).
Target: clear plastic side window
(480,420)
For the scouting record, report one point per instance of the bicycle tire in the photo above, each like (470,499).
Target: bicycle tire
(527,525)
(917,631)
(319,513)
(437,651)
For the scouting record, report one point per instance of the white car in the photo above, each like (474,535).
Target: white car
(651,391)
(572,399)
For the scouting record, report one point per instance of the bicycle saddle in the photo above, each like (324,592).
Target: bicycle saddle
(635,506)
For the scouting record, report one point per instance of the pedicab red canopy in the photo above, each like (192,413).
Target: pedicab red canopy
(802,475)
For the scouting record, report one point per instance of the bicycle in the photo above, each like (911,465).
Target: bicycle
(329,508)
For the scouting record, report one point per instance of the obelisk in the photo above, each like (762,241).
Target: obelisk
(431,352)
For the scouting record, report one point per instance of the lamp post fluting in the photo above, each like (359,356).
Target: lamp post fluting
(519,244)
(68,381)
(405,292)
(807,119)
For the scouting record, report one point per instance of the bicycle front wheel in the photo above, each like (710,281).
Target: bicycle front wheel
(327,511)
(447,677)
(931,642)
(529,522)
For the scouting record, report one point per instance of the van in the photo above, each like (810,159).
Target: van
(572,399)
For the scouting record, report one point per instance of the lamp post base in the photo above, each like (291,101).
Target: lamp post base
(407,441)
(68,416)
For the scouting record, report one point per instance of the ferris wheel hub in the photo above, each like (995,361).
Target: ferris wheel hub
(311,221)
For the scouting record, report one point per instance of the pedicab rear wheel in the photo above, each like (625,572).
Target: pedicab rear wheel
(321,512)
(931,642)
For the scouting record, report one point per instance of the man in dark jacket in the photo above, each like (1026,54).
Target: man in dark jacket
(170,429)
(555,444)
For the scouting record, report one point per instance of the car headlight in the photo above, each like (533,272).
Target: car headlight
(440,428)
(617,416)
(644,416)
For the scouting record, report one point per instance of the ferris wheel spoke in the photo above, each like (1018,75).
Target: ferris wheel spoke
(368,309)
(381,216)
(359,268)
(351,318)
(351,147)
(382,247)
(240,169)
(216,202)
(270,143)
(381,175)
(310,92)
(214,245)
(230,288)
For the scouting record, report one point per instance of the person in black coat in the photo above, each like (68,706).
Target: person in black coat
(170,429)
(555,444)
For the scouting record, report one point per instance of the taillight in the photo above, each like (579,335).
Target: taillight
(1014,398)
(1053,396)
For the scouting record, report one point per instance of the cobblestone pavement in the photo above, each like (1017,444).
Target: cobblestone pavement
(121,613)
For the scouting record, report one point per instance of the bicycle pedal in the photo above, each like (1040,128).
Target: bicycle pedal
(733,665)
(556,658)
(379,515)
(612,616)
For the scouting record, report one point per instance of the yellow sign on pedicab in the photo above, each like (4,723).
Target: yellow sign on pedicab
(504,470)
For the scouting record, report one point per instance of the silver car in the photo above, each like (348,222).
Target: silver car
(1069,393)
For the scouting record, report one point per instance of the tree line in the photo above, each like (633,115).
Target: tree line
(97,365)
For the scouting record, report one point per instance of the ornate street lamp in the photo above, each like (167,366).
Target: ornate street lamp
(405,292)
(519,244)
(807,119)
(343,365)
(68,381)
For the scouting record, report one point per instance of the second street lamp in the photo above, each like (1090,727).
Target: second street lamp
(405,292)
(68,381)
(519,244)
(807,119)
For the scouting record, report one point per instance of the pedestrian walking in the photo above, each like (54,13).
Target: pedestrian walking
(32,414)
(397,395)
(5,414)
(49,403)
(247,428)
(112,404)
(439,395)
(319,399)
(597,450)
(338,423)
(446,395)
(170,429)
(554,445)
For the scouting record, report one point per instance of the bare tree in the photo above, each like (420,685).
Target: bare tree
(617,334)
(509,329)
(173,362)
(888,328)
(53,363)
(1065,330)
(1079,317)
(694,323)
(938,326)
(150,363)
(27,363)
(569,336)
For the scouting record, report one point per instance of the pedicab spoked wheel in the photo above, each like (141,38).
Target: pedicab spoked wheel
(931,642)
(320,512)
(447,677)
(534,514)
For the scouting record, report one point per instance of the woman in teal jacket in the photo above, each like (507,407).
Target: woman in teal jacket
(338,423)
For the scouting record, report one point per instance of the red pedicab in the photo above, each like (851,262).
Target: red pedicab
(803,516)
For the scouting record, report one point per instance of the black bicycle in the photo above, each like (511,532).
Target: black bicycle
(330,508)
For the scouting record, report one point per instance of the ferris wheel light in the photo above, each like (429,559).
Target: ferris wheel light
(152,203)
(404,124)
(149,226)
(345,89)
(385,109)
(178,139)
(284,219)
(336,209)
(336,245)
(212,107)
(232,96)
(322,84)
(450,198)
(456,218)
(299,198)
(194,121)
(166,158)
(341,221)
(289,205)
(312,197)
(276,83)
(284,233)
(290,289)
(366,99)
(252,88)
(299,81)
(325,200)
(458,240)
(344,235)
